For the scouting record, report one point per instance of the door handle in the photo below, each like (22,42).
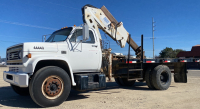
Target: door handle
(94,45)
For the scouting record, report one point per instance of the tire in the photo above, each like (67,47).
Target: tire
(148,78)
(161,76)
(124,82)
(117,81)
(20,91)
(50,86)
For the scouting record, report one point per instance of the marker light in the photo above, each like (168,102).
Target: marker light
(29,55)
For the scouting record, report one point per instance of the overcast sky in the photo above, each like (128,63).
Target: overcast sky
(177,21)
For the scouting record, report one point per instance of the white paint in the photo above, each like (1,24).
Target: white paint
(98,18)
(19,79)
(85,58)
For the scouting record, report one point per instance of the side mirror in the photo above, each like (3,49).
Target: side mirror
(85,32)
(44,38)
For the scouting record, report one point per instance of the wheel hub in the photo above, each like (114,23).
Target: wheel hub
(164,77)
(52,87)
(161,77)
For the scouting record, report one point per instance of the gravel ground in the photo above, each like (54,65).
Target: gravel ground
(178,96)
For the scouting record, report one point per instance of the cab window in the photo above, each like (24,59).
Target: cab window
(78,36)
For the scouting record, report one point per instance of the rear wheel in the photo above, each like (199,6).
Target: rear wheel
(50,86)
(124,82)
(161,76)
(19,90)
(148,78)
(117,81)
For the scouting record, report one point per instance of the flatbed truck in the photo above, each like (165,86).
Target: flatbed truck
(73,58)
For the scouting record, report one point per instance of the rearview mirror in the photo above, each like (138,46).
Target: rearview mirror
(85,32)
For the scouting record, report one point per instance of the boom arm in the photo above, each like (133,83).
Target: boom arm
(102,19)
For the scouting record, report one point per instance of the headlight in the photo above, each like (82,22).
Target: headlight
(20,54)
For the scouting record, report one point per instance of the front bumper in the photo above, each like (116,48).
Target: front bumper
(16,78)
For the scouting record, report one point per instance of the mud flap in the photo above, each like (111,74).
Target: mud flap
(180,72)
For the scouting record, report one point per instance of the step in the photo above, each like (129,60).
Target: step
(93,85)
(89,81)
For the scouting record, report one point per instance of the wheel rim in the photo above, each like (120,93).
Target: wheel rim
(164,77)
(52,87)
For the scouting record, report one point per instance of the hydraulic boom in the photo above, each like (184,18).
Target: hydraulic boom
(102,19)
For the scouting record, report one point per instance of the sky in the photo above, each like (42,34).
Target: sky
(177,22)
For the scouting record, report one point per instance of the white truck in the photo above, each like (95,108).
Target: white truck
(72,58)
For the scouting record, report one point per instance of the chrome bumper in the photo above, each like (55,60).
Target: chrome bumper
(16,78)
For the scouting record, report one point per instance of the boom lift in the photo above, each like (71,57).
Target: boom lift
(103,19)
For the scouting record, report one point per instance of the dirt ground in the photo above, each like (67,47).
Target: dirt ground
(178,96)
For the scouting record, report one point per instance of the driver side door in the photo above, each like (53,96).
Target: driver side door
(84,56)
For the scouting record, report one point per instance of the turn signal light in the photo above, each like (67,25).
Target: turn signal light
(29,55)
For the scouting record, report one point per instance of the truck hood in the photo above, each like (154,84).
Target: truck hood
(40,47)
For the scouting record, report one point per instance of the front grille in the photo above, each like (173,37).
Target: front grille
(13,55)
(14,69)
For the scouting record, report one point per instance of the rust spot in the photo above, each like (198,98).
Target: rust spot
(48,87)
(88,15)
(104,27)
(112,25)
(118,33)
(93,26)
(90,20)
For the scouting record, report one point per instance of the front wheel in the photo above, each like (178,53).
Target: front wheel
(50,86)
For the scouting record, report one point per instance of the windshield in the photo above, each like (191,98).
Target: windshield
(60,35)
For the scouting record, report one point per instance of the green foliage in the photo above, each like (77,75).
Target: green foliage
(168,52)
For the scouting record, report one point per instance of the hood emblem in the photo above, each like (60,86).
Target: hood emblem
(36,47)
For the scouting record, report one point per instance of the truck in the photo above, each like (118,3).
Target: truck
(73,58)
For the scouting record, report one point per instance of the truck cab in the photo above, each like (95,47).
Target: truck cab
(67,50)
(66,45)
(76,50)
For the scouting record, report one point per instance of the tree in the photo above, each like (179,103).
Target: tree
(168,52)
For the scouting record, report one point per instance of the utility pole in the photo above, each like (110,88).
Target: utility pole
(153,35)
